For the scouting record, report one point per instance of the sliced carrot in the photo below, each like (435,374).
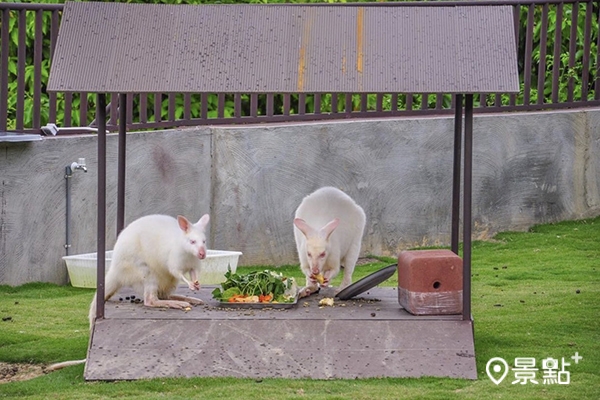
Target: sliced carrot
(265,298)
(236,298)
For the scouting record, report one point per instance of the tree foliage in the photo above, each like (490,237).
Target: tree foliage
(79,108)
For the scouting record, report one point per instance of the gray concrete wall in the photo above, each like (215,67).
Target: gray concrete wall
(528,169)
(168,173)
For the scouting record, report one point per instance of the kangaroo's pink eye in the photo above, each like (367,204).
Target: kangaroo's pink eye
(322,255)
(192,242)
(310,255)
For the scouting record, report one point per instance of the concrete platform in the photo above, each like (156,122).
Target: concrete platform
(368,336)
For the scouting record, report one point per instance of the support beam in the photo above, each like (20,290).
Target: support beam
(458,100)
(121,162)
(467,195)
(101,237)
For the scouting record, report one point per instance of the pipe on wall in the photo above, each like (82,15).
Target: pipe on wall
(69,169)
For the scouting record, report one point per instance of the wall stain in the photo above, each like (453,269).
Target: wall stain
(164,163)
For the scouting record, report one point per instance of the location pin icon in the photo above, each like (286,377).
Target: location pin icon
(494,368)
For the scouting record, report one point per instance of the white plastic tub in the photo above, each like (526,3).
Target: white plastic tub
(214,266)
(82,267)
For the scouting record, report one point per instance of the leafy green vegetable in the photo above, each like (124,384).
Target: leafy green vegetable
(232,291)
(282,288)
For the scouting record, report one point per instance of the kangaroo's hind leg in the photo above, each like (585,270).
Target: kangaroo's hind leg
(151,297)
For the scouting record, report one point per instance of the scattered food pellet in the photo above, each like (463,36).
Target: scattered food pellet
(498,305)
(16,302)
(522,301)
(6,318)
(327,301)
(127,298)
(373,314)
(120,299)
(578,291)
(132,297)
(187,308)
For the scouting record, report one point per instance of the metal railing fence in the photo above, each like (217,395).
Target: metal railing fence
(559,67)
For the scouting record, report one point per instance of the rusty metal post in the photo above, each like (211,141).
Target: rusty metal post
(121,162)
(456,173)
(467,197)
(101,238)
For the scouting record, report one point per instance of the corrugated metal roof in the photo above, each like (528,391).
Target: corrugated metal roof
(114,47)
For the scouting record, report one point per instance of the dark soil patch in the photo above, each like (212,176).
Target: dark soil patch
(20,372)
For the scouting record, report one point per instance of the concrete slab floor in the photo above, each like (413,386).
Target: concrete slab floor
(367,336)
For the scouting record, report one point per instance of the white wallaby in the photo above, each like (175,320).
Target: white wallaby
(328,228)
(151,255)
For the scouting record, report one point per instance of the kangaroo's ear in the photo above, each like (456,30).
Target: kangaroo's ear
(328,229)
(184,223)
(304,227)
(203,221)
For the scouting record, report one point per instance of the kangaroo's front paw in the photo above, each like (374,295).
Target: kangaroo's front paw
(194,286)
(321,279)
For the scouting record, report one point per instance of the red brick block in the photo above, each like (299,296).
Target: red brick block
(430,282)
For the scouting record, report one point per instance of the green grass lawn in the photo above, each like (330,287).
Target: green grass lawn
(535,294)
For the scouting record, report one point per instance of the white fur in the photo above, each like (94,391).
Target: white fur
(151,255)
(328,228)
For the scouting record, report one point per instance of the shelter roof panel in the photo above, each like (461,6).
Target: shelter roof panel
(121,48)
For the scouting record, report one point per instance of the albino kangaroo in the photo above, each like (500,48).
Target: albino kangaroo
(328,228)
(151,255)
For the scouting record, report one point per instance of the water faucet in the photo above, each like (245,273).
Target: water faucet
(80,164)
